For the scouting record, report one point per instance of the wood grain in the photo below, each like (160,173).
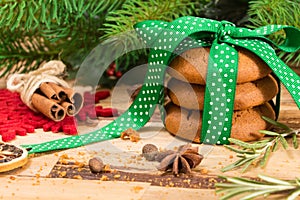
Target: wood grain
(65,175)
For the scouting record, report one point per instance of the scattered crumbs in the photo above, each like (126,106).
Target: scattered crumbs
(131,135)
(139,158)
(37,175)
(117,176)
(171,184)
(230,156)
(62,174)
(81,153)
(12,178)
(79,164)
(77,177)
(64,161)
(107,168)
(204,171)
(31,155)
(104,178)
(188,181)
(212,180)
(219,163)
(41,169)
(137,189)
(64,156)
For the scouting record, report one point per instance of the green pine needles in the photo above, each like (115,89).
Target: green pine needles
(284,12)
(33,31)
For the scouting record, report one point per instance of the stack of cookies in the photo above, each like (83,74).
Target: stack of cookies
(255,88)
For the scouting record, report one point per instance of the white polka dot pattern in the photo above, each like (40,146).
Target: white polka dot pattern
(166,40)
(219,94)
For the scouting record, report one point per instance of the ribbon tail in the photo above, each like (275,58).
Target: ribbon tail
(286,75)
(219,94)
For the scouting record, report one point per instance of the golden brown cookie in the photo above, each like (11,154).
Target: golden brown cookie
(250,94)
(186,124)
(191,66)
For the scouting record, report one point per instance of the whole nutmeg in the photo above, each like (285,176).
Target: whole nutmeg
(149,148)
(96,165)
(150,151)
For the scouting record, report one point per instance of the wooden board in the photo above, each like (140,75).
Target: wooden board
(65,174)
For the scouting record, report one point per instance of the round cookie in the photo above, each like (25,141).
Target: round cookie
(249,94)
(186,124)
(191,66)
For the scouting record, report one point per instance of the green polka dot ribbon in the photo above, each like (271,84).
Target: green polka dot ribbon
(166,40)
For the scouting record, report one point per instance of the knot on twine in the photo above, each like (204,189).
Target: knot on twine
(225,30)
(27,84)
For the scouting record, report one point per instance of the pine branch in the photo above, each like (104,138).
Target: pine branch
(74,27)
(264,187)
(25,53)
(120,22)
(285,12)
(68,28)
(260,151)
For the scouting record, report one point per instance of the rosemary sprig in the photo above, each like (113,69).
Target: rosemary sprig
(234,186)
(260,151)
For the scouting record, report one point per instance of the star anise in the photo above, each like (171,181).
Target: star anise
(182,160)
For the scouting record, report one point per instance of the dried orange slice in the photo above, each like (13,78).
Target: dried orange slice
(12,156)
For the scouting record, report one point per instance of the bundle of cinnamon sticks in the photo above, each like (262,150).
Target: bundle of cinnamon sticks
(55,101)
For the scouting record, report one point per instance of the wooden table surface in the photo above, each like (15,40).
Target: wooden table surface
(65,174)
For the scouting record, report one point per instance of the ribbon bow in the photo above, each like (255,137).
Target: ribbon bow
(168,39)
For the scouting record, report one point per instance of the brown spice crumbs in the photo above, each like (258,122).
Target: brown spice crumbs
(137,189)
(131,135)
(63,174)
(204,171)
(117,176)
(104,178)
(77,177)
(194,180)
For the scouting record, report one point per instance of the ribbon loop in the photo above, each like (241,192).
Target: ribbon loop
(165,40)
(227,29)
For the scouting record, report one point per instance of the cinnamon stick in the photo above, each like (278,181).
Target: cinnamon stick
(48,107)
(69,108)
(47,90)
(60,91)
(75,98)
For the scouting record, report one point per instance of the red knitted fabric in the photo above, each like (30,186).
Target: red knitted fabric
(17,119)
